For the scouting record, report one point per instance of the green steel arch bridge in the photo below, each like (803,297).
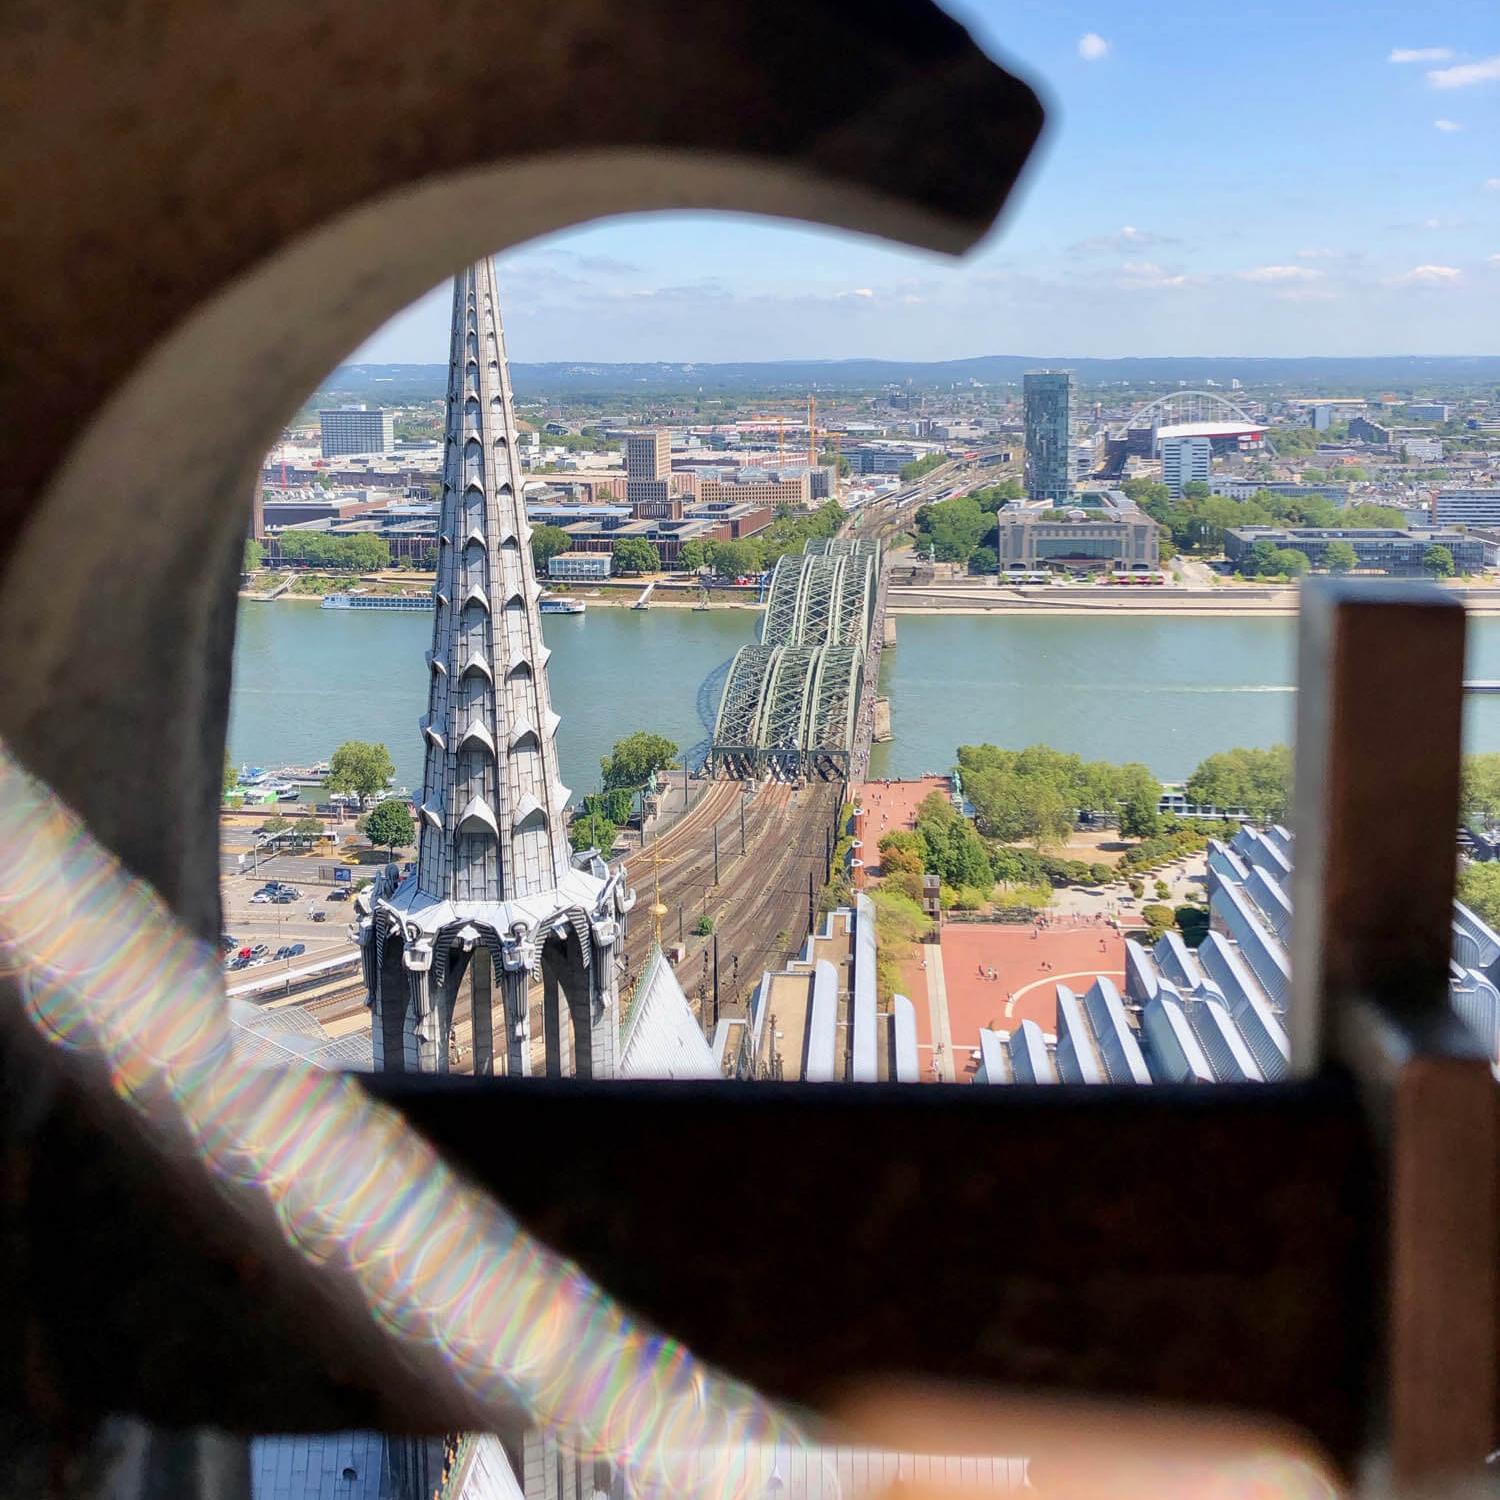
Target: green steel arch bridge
(791,702)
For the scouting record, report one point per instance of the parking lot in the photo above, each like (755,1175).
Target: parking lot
(312,918)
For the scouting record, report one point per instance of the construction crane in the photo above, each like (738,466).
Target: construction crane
(780,441)
(812,430)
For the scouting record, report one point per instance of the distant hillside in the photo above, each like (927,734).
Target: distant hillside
(401,384)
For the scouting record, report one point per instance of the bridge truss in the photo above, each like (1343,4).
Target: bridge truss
(791,703)
(1182,406)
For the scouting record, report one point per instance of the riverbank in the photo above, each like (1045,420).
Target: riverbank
(1060,602)
(1115,602)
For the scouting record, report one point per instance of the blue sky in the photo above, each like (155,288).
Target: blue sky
(1257,177)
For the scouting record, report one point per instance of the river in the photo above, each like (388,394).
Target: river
(1165,691)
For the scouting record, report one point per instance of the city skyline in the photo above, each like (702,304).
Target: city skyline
(1275,184)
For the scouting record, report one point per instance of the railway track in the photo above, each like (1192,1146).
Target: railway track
(759,904)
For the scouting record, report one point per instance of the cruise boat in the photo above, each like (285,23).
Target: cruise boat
(554,604)
(412,605)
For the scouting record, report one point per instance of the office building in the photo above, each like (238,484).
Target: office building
(881,458)
(1076,540)
(1384,549)
(580,567)
(1048,402)
(1363,430)
(648,469)
(1429,411)
(773,493)
(1185,460)
(357,429)
(1467,507)
(648,455)
(1243,489)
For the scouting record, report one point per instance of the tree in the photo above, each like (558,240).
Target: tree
(1340,558)
(360,768)
(734,559)
(1196,489)
(1259,781)
(984,560)
(693,557)
(616,804)
(1479,890)
(953,850)
(1291,562)
(546,543)
(901,851)
(1481,787)
(1139,796)
(634,554)
(308,828)
(953,528)
(1438,561)
(636,759)
(429,560)
(231,776)
(1048,816)
(389,825)
(915,470)
(255,557)
(593,831)
(275,824)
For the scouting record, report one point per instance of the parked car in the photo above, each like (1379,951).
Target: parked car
(283,898)
(296,950)
(339,895)
(260,950)
(261,898)
(320,916)
(227,944)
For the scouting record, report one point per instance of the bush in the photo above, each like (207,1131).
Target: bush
(1157,919)
(1029,896)
(703,927)
(1137,887)
(905,883)
(971,898)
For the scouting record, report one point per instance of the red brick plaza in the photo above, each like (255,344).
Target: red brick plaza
(955,999)
(890,805)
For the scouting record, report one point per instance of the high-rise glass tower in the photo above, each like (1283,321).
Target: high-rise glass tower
(1048,398)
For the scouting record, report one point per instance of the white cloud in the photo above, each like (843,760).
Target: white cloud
(1126,238)
(1495,261)
(1446,126)
(1092,47)
(1419,54)
(1493,184)
(858,291)
(1464,75)
(1143,275)
(1428,276)
(1280,273)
